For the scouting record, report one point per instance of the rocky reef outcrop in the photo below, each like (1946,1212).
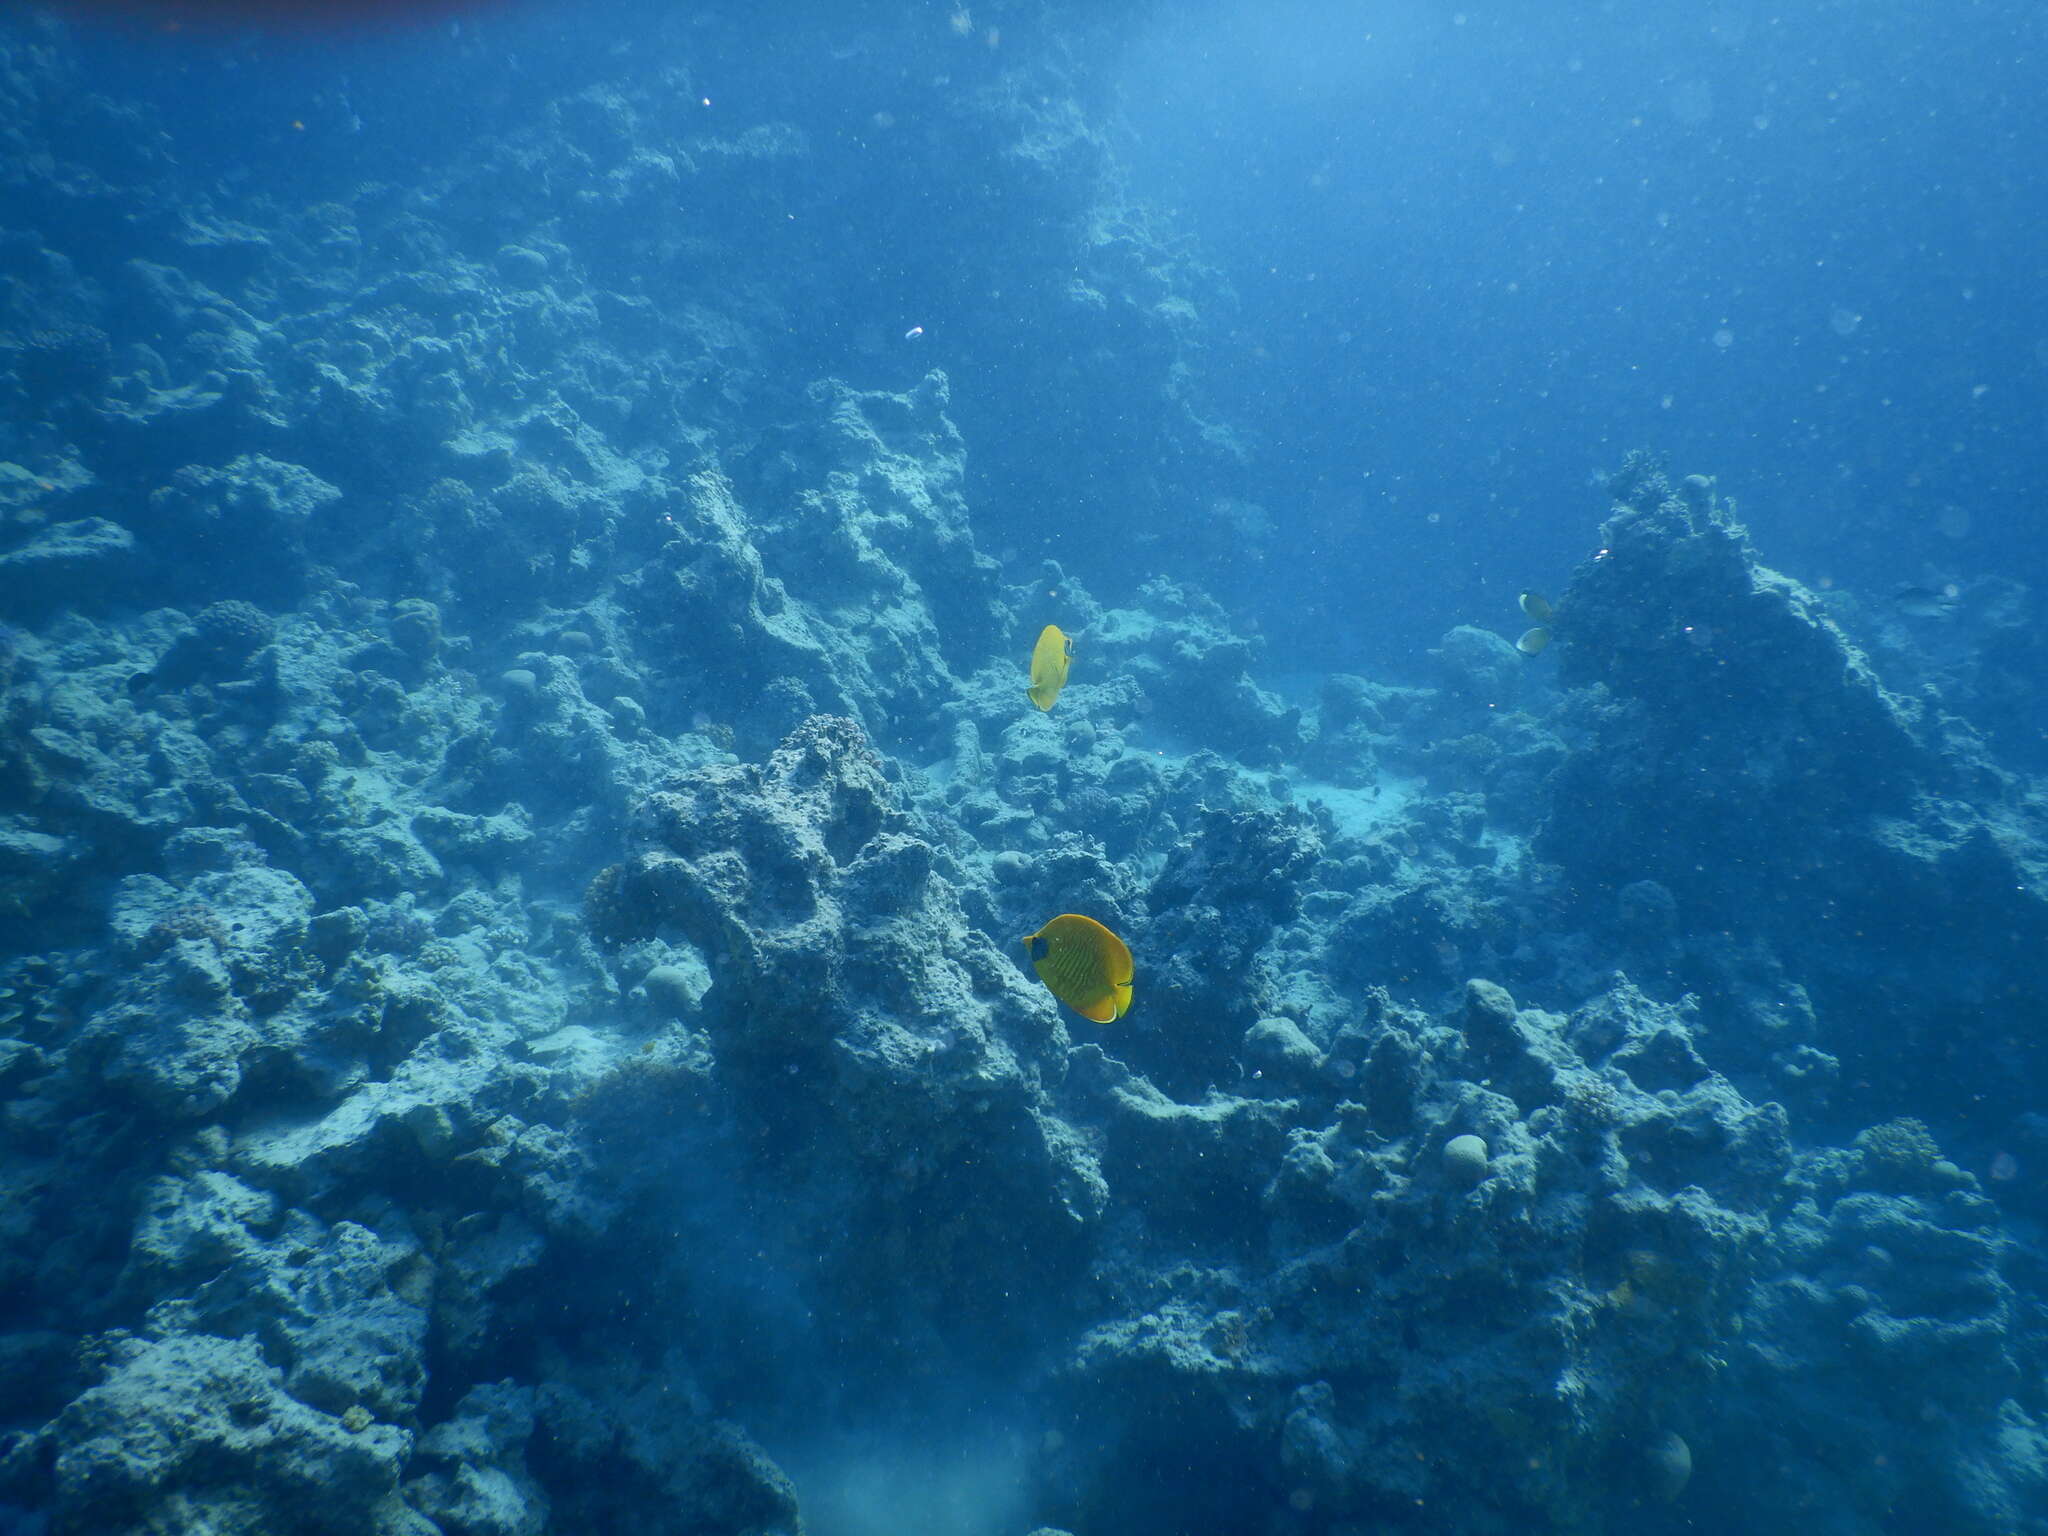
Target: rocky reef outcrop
(1745,757)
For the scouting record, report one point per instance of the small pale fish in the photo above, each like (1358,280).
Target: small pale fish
(1536,606)
(1533,641)
(1084,965)
(1925,602)
(1049,661)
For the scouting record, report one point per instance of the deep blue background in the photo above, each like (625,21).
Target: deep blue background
(1482,251)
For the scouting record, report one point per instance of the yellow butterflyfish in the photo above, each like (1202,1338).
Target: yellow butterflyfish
(1085,965)
(1049,661)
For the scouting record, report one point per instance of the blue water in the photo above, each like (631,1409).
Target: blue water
(1476,253)
(522,532)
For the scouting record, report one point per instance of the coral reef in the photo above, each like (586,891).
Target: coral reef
(518,807)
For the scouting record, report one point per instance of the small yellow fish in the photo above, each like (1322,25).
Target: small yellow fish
(1085,965)
(1533,641)
(1536,606)
(1049,661)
